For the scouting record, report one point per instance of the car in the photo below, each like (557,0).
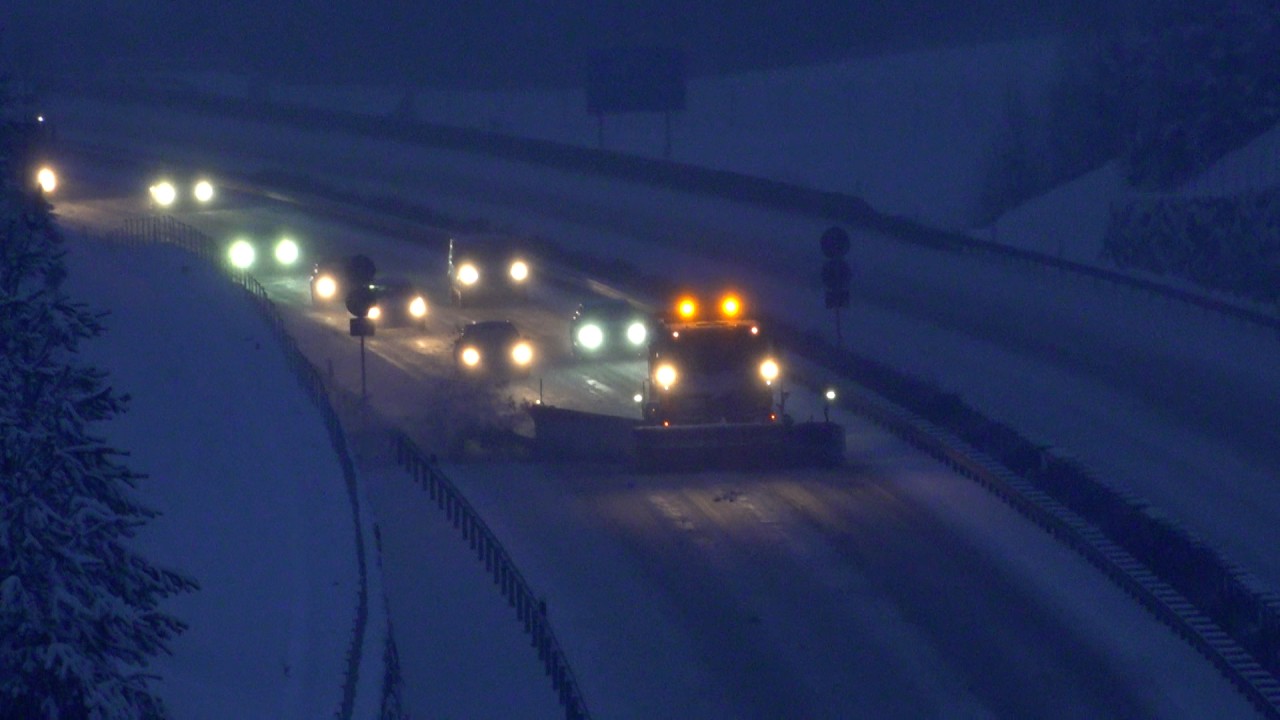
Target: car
(608,328)
(332,277)
(169,192)
(398,303)
(492,348)
(486,266)
(263,253)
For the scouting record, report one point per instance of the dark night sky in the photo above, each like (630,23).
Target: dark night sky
(491,42)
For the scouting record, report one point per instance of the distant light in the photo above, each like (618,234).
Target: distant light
(638,397)
(39,118)
(242,254)
(47,180)
(830,394)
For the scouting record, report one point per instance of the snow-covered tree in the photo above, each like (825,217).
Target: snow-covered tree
(79,617)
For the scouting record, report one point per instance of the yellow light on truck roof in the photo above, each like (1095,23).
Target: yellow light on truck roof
(687,308)
(730,306)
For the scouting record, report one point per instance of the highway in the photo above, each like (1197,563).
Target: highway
(887,588)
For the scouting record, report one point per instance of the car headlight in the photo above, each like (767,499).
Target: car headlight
(286,251)
(637,333)
(769,370)
(470,356)
(375,312)
(665,375)
(590,337)
(326,286)
(164,193)
(522,353)
(468,274)
(203,191)
(519,271)
(47,180)
(418,307)
(241,254)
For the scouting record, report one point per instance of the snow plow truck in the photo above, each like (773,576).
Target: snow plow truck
(711,400)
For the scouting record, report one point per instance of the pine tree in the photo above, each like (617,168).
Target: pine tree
(79,618)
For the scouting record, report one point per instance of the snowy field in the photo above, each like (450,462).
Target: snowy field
(253,504)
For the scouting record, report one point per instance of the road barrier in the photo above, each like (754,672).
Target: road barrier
(152,230)
(530,609)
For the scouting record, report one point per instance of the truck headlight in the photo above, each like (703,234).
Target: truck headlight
(163,193)
(519,271)
(418,307)
(241,254)
(286,252)
(375,312)
(468,274)
(637,333)
(470,356)
(665,375)
(769,370)
(590,337)
(203,191)
(522,353)
(326,286)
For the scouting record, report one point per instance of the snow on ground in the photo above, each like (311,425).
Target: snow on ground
(239,463)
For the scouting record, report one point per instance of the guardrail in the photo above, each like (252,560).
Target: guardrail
(167,230)
(840,207)
(529,609)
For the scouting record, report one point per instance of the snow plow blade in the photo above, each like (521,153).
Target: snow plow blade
(562,434)
(747,446)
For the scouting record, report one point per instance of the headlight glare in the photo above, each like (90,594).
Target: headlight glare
(375,312)
(470,356)
(468,274)
(769,370)
(241,254)
(203,191)
(286,252)
(522,353)
(637,333)
(326,286)
(590,337)
(665,375)
(164,193)
(418,307)
(519,271)
(47,180)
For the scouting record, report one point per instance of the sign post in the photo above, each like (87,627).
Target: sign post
(836,275)
(359,300)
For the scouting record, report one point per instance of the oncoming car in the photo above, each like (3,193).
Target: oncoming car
(491,266)
(606,328)
(399,303)
(246,253)
(167,193)
(492,347)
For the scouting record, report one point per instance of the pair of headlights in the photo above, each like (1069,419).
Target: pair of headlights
(165,193)
(242,254)
(521,355)
(469,274)
(591,335)
(666,374)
